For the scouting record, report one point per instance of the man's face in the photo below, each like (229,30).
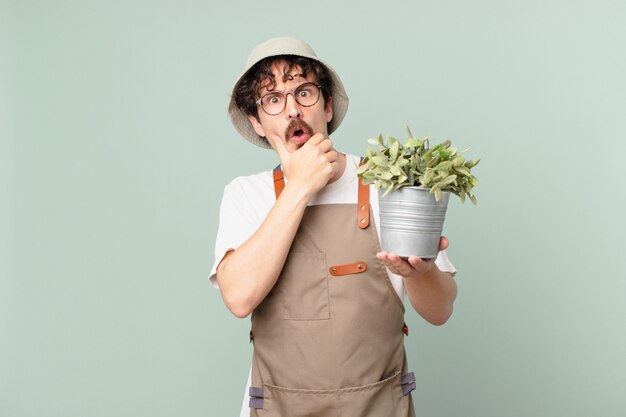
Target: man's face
(296,123)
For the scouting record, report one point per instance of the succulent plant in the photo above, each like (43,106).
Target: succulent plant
(415,163)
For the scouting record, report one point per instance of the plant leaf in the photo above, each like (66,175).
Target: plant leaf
(462,170)
(448,180)
(393,151)
(380,160)
(437,193)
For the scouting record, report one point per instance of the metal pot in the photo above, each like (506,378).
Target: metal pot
(411,221)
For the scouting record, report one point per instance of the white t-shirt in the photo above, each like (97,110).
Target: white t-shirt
(247,201)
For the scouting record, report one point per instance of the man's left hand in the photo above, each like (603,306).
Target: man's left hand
(414,266)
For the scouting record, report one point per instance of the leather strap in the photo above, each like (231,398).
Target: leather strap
(347,269)
(363,207)
(279,181)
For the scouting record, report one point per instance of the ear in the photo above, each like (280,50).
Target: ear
(329,109)
(256,125)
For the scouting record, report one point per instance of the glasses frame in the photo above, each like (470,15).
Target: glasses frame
(285,94)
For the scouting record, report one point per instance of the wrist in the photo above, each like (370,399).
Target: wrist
(299,192)
(427,271)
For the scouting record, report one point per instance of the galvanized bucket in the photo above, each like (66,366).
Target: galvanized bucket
(411,221)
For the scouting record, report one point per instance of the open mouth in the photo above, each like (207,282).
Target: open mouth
(300,132)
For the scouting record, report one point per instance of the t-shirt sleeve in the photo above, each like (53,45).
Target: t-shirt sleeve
(237,223)
(443,263)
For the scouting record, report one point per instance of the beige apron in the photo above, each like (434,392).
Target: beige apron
(328,338)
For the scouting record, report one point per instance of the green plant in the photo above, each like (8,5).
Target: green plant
(441,168)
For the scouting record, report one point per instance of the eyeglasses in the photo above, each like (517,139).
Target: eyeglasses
(274,103)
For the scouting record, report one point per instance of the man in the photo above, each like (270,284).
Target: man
(295,250)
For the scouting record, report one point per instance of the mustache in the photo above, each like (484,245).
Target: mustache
(298,124)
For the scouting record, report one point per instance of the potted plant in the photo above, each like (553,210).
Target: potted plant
(414,182)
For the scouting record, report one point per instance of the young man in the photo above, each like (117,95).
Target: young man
(298,248)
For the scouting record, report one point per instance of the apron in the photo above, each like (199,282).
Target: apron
(328,338)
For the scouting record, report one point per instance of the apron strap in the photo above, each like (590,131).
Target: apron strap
(407,382)
(363,206)
(279,181)
(256,397)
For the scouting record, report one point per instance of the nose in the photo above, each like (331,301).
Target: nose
(292,108)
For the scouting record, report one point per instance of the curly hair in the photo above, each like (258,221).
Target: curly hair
(260,76)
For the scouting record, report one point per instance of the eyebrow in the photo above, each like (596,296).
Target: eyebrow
(265,87)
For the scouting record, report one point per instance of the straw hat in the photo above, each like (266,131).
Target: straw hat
(285,46)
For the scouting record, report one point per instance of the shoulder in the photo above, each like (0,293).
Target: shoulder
(251,187)
(249,195)
(248,182)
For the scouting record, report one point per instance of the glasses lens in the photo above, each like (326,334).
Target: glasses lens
(273,103)
(307,94)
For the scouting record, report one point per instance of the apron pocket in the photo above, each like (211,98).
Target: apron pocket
(383,398)
(303,287)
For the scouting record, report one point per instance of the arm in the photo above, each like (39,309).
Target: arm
(246,275)
(431,291)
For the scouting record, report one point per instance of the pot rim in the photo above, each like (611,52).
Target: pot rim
(417,187)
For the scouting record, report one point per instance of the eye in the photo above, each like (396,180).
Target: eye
(306,92)
(272,99)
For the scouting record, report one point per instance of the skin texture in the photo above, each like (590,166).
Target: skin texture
(309,164)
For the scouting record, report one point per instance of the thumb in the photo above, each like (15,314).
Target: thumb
(279,146)
(443,243)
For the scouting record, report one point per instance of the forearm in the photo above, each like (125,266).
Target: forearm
(432,294)
(246,275)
